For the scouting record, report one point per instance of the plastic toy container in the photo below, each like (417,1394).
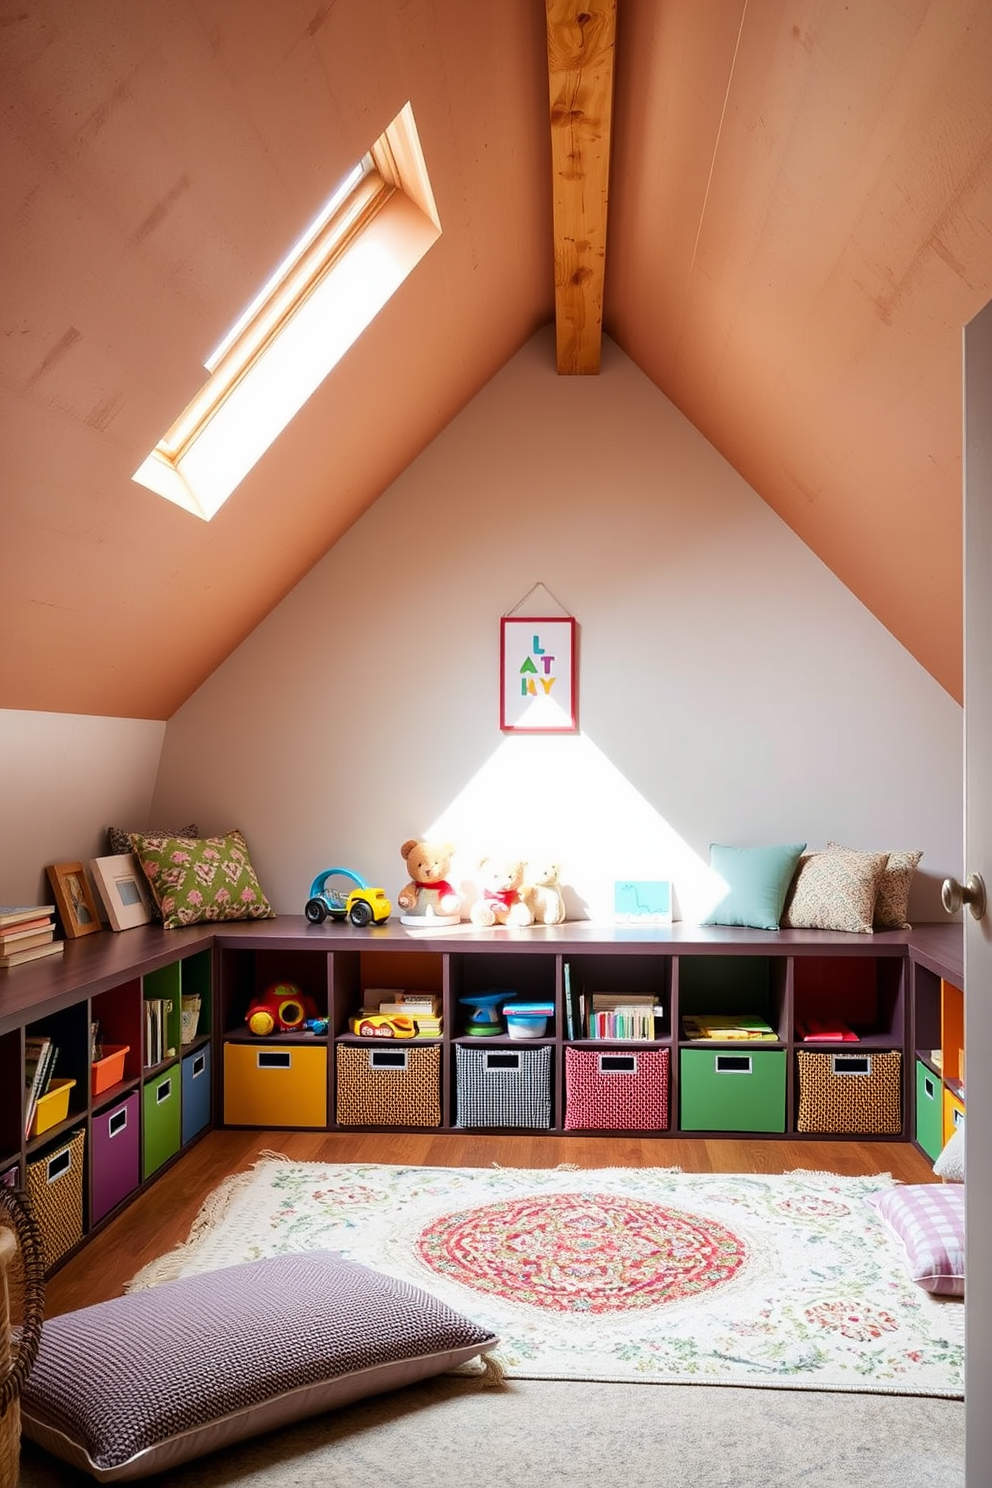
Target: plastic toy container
(52,1107)
(110,1069)
(525,1026)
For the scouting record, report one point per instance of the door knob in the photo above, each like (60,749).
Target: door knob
(954,895)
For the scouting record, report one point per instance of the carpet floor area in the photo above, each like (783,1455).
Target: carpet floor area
(448,1433)
(618,1275)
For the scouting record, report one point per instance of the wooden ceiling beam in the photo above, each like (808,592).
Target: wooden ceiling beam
(581,39)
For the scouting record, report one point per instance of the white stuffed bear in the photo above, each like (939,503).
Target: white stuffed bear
(503,898)
(545,896)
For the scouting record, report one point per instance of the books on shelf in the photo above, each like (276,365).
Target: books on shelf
(40,1054)
(825,1030)
(24,914)
(622,1015)
(157,1010)
(27,932)
(728,1026)
(22,937)
(417,1004)
(32,953)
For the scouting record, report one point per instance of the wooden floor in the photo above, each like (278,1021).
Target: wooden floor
(161,1217)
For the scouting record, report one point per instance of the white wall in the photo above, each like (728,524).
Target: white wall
(730,688)
(64,778)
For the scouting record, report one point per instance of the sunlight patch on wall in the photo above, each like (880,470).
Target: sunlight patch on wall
(560,797)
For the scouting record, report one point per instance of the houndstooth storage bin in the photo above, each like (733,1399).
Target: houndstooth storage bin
(851,1093)
(502,1087)
(389,1084)
(620,1089)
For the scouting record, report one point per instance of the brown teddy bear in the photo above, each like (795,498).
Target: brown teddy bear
(428,896)
(545,896)
(504,898)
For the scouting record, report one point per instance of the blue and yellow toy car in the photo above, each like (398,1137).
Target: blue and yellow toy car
(361,905)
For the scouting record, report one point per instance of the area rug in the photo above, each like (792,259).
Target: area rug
(638,1275)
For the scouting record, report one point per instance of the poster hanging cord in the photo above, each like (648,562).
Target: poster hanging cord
(539,585)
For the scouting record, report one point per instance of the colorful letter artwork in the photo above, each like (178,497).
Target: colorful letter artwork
(537,666)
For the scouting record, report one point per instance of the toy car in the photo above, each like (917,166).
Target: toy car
(361,905)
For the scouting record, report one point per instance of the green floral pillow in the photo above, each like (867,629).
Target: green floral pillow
(194,879)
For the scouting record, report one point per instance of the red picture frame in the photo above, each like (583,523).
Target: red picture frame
(537,671)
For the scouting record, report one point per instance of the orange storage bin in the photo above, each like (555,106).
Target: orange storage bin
(52,1107)
(110,1069)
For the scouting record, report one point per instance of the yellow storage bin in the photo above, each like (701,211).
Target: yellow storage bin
(268,1084)
(52,1107)
(953,1114)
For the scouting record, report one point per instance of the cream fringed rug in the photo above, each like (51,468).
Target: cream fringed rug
(643,1275)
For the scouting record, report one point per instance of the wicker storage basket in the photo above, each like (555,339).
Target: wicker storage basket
(854,1093)
(54,1186)
(22,1297)
(395,1085)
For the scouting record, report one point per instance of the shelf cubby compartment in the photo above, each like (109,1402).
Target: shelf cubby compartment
(248,975)
(118,1013)
(620,975)
(734,986)
(525,976)
(12,1097)
(69,1030)
(865,993)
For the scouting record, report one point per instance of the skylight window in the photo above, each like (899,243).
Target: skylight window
(335,279)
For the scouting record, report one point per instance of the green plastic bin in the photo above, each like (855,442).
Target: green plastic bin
(929,1111)
(161,1109)
(732,1089)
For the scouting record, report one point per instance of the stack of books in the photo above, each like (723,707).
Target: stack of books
(157,1010)
(728,1026)
(622,1015)
(423,1007)
(40,1055)
(27,931)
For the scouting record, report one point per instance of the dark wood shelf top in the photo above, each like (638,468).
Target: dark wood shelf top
(96,963)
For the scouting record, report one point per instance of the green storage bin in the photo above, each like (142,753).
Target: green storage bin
(929,1111)
(161,1128)
(732,1090)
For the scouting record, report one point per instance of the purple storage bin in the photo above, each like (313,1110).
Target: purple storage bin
(115,1155)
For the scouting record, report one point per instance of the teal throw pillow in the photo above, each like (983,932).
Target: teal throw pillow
(756,882)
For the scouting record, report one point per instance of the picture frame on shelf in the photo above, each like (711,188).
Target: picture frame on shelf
(74,899)
(537,675)
(641,901)
(124,890)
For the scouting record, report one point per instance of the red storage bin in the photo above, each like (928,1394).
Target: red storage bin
(620,1089)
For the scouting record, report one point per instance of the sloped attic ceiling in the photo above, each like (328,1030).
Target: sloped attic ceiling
(800,224)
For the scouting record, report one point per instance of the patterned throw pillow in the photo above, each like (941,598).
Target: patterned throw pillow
(119,838)
(834,891)
(146,1381)
(197,879)
(892,904)
(929,1220)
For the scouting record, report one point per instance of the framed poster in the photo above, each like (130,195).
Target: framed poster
(537,675)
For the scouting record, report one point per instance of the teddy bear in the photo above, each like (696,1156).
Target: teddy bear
(428,895)
(504,898)
(545,896)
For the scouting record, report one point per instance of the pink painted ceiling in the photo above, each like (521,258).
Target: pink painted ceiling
(800,224)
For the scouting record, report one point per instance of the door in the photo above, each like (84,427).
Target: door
(978,858)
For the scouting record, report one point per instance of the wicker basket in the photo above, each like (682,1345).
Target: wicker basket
(22,1298)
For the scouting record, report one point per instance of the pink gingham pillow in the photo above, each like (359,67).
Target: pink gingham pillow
(929,1220)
